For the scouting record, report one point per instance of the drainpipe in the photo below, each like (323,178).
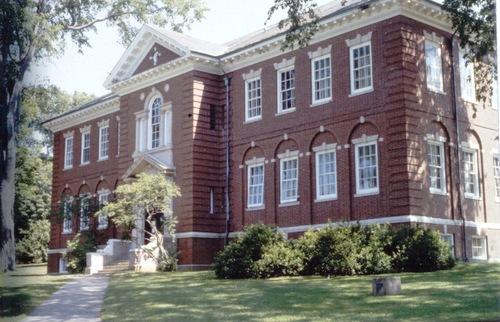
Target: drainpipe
(459,161)
(226,235)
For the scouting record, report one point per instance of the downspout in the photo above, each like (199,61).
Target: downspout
(227,82)
(457,149)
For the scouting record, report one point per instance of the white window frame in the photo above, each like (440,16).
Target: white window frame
(255,187)
(102,219)
(85,212)
(323,93)
(433,67)
(467,83)
(68,152)
(154,122)
(360,189)
(253,99)
(289,180)
(496,176)
(286,86)
(364,68)
(67,217)
(320,175)
(471,173)
(85,157)
(104,142)
(439,167)
(479,250)
(449,239)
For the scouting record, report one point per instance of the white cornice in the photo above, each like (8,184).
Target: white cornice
(83,115)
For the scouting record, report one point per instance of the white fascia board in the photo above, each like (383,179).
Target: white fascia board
(426,12)
(84,115)
(165,72)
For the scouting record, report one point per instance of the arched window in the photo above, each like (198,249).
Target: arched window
(155,122)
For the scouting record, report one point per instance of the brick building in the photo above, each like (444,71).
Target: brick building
(372,123)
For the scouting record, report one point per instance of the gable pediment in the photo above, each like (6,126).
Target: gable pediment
(148,164)
(140,55)
(156,56)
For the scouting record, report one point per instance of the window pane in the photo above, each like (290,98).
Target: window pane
(433,66)
(361,68)
(322,79)
(256,185)
(155,123)
(289,180)
(254,104)
(326,175)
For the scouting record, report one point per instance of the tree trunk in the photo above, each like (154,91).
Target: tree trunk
(9,116)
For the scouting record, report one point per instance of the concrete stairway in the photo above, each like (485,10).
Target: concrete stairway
(114,268)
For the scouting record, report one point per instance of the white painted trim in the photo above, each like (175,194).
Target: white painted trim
(59,251)
(199,234)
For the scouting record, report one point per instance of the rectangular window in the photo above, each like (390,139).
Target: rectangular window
(118,137)
(496,176)
(289,179)
(361,68)
(85,148)
(253,99)
(286,90)
(437,171)
(103,142)
(102,219)
(321,79)
(326,175)
(433,66)
(449,240)
(471,175)
(212,201)
(255,185)
(84,213)
(68,154)
(67,217)
(366,168)
(479,247)
(213,117)
(467,85)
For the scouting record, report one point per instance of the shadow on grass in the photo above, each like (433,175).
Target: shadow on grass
(468,293)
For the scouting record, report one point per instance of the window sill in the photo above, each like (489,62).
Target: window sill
(366,194)
(255,208)
(84,164)
(253,120)
(439,193)
(288,204)
(361,92)
(468,100)
(67,232)
(103,159)
(67,168)
(472,197)
(102,227)
(318,103)
(325,199)
(285,112)
(436,90)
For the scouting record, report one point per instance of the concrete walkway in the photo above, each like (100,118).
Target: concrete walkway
(78,301)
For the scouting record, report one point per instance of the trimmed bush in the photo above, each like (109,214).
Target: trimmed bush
(344,250)
(415,249)
(238,259)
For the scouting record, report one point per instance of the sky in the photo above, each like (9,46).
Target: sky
(226,20)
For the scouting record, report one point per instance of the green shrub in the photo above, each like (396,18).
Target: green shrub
(345,250)
(280,259)
(415,249)
(84,242)
(238,259)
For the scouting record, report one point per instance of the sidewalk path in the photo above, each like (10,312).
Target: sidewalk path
(79,300)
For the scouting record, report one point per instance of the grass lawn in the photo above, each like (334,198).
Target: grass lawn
(469,292)
(25,288)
